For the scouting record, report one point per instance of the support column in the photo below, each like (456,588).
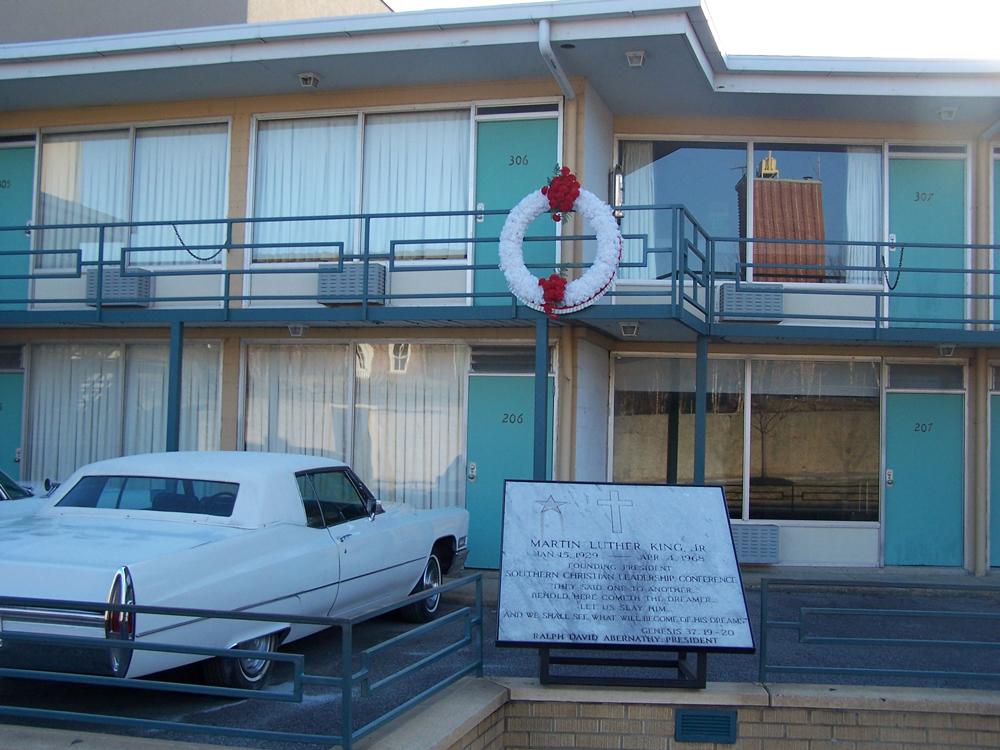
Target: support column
(174,386)
(700,405)
(541,397)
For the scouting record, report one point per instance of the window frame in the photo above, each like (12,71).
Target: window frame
(364,495)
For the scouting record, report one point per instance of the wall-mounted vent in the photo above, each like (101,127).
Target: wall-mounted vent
(705,726)
(131,288)
(751,302)
(344,284)
(756,543)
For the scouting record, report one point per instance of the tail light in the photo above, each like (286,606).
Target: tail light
(119,625)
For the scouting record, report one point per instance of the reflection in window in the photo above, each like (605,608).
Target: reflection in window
(815,193)
(654,423)
(814,440)
(701,177)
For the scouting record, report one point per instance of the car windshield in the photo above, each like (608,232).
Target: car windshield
(162,494)
(12,489)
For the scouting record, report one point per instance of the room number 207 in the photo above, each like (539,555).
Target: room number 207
(923,426)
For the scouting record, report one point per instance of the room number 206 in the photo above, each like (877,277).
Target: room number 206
(510,418)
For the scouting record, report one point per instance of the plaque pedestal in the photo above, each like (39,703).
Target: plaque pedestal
(685,674)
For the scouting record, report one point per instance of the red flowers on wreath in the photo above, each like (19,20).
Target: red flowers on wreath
(562,191)
(553,292)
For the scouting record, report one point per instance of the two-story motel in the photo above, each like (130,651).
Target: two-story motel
(282,235)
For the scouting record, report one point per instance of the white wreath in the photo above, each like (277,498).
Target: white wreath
(581,292)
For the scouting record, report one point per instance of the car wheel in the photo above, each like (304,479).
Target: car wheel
(248,673)
(426,609)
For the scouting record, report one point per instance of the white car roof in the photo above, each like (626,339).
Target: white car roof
(210,465)
(268,492)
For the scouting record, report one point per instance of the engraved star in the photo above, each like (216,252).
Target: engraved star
(551,504)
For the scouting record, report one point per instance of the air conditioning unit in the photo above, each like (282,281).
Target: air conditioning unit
(132,288)
(755,542)
(751,302)
(343,284)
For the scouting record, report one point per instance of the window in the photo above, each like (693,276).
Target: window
(654,423)
(826,196)
(815,193)
(329,498)
(813,429)
(158,174)
(814,440)
(76,393)
(415,162)
(158,494)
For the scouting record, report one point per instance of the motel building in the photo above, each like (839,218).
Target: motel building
(225,227)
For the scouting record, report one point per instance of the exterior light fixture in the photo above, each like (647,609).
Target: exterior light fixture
(296,331)
(946,350)
(629,329)
(947,114)
(635,58)
(309,80)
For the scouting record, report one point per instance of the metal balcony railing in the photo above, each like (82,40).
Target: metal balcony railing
(671,267)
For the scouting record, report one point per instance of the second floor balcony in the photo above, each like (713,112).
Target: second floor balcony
(675,280)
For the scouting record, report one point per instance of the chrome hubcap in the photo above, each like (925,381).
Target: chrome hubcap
(254,666)
(432,580)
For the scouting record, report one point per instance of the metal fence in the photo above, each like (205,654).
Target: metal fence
(456,651)
(878,633)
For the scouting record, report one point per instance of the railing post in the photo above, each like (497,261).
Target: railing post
(676,280)
(479,623)
(762,651)
(346,687)
(541,396)
(700,403)
(174,370)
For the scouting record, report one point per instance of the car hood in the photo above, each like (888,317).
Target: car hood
(75,556)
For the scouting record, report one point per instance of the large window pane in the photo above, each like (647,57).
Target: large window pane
(417,162)
(816,192)
(75,407)
(409,438)
(298,400)
(814,440)
(146,383)
(180,173)
(84,180)
(305,167)
(700,176)
(654,423)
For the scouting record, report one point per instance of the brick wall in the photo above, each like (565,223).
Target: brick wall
(806,719)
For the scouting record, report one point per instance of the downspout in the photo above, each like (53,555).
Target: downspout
(545,48)
(981,390)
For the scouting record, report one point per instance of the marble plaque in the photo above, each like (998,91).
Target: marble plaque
(620,565)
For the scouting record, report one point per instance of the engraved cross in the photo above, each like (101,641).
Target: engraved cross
(615,503)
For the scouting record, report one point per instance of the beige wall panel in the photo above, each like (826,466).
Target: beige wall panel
(294,102)
(739,127)
(262,11)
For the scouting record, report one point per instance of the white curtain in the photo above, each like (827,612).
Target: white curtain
(305,167)
(298,399)
(179,173)
(75,407)
(409,441)
(864,212)
(639,190)
(417,162)
(84,180)
(146,382)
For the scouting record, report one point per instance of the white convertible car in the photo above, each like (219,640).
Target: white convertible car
(283,534)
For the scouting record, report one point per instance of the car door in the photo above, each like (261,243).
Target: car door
(379,558)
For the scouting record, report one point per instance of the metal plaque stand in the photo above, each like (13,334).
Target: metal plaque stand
(687,675)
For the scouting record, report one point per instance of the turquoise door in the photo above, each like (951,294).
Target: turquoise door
(17,171)
(924,504)
(926,205)
(996,235)
(11,410)
(995,480)
(513,157)
(500,446)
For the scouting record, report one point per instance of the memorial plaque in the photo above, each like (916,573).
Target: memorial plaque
(604,565)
